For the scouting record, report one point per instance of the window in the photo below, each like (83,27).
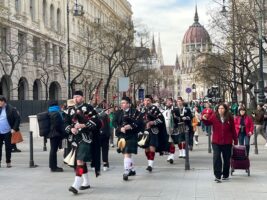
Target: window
(2,39)
(58,20)
(18,6)
(32,9)
(44,12)
(36,48)
(21,43)
(52,15)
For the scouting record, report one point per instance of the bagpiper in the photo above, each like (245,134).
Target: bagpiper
(183,122)
(155,126)
(127,123)
(169,122)
(83,126)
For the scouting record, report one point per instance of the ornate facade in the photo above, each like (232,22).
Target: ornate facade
(196,40)
(35,34)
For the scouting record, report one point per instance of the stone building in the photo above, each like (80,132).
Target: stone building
(196,41)
(33,43)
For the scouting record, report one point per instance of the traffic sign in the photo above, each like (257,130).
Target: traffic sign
(188,90)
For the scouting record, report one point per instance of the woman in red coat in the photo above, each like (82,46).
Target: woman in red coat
(223,136)
(244,128)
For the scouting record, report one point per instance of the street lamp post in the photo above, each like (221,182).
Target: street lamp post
(261,96)
(224,11)
(68,50)
(78,11)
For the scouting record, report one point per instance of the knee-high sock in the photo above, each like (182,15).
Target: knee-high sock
(180,146)
(151,158)
(183,145)
(78,178)
(147,154)
(85,176)
(127,163)
(132,164)
(172,149)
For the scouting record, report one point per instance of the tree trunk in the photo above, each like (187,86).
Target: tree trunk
(106,87)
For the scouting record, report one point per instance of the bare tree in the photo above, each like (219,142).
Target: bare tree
(12,55)
(114,41)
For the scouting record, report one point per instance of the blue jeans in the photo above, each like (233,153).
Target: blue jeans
(243,139)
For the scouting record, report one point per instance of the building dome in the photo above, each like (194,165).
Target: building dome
(196,33)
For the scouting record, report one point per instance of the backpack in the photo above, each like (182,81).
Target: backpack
(44,123)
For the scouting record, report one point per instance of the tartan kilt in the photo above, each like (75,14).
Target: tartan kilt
(130,146)
(181,137)
(153,140)
(84,152)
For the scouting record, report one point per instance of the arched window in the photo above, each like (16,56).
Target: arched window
(58,20)
(32,9)
(52,17)
(45,12)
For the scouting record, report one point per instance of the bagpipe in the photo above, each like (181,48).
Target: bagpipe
(151,114)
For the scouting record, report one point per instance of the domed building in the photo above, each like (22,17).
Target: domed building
(196,41)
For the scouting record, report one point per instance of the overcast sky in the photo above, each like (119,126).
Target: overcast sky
(170,18)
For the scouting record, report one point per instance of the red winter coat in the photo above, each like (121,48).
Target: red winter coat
(248,124)
(223,133)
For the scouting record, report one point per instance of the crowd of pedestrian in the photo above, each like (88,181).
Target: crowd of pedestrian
(153,126)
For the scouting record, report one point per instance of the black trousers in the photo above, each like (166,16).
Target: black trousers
(55,142)
(7,139)
(104,144)
(221,160)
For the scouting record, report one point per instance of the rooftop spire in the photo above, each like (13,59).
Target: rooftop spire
(196,19)
(153,48)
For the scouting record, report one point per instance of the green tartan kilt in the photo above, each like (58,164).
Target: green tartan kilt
(84,152)
(131,146)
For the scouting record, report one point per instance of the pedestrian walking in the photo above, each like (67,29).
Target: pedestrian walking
(83,126)
(223,137)
(244,128)
(9,123)
(258,117)
(128,124)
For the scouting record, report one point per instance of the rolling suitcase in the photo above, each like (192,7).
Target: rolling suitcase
(239,159)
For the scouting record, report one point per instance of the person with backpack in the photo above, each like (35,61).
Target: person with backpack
(56,134)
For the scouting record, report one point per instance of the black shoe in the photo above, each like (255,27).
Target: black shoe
(16,150)
(84,187)
(217,180)
(171,161)
(149,168)
(132,173)
(225,178)
(58,169)
(125,177)
(73,190)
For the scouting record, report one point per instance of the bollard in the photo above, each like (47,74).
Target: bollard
(45,141)
(187,164)
(32,165)
(256,142)
(209,142)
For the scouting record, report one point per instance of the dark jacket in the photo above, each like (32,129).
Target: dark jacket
(13,117)
(105,128)
(56,125)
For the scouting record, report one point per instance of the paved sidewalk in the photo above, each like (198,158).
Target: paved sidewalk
(166,182)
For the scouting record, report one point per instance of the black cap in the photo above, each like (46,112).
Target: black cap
(78,92)
(126,99)
(53,103)
(148,96)
(2,98)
